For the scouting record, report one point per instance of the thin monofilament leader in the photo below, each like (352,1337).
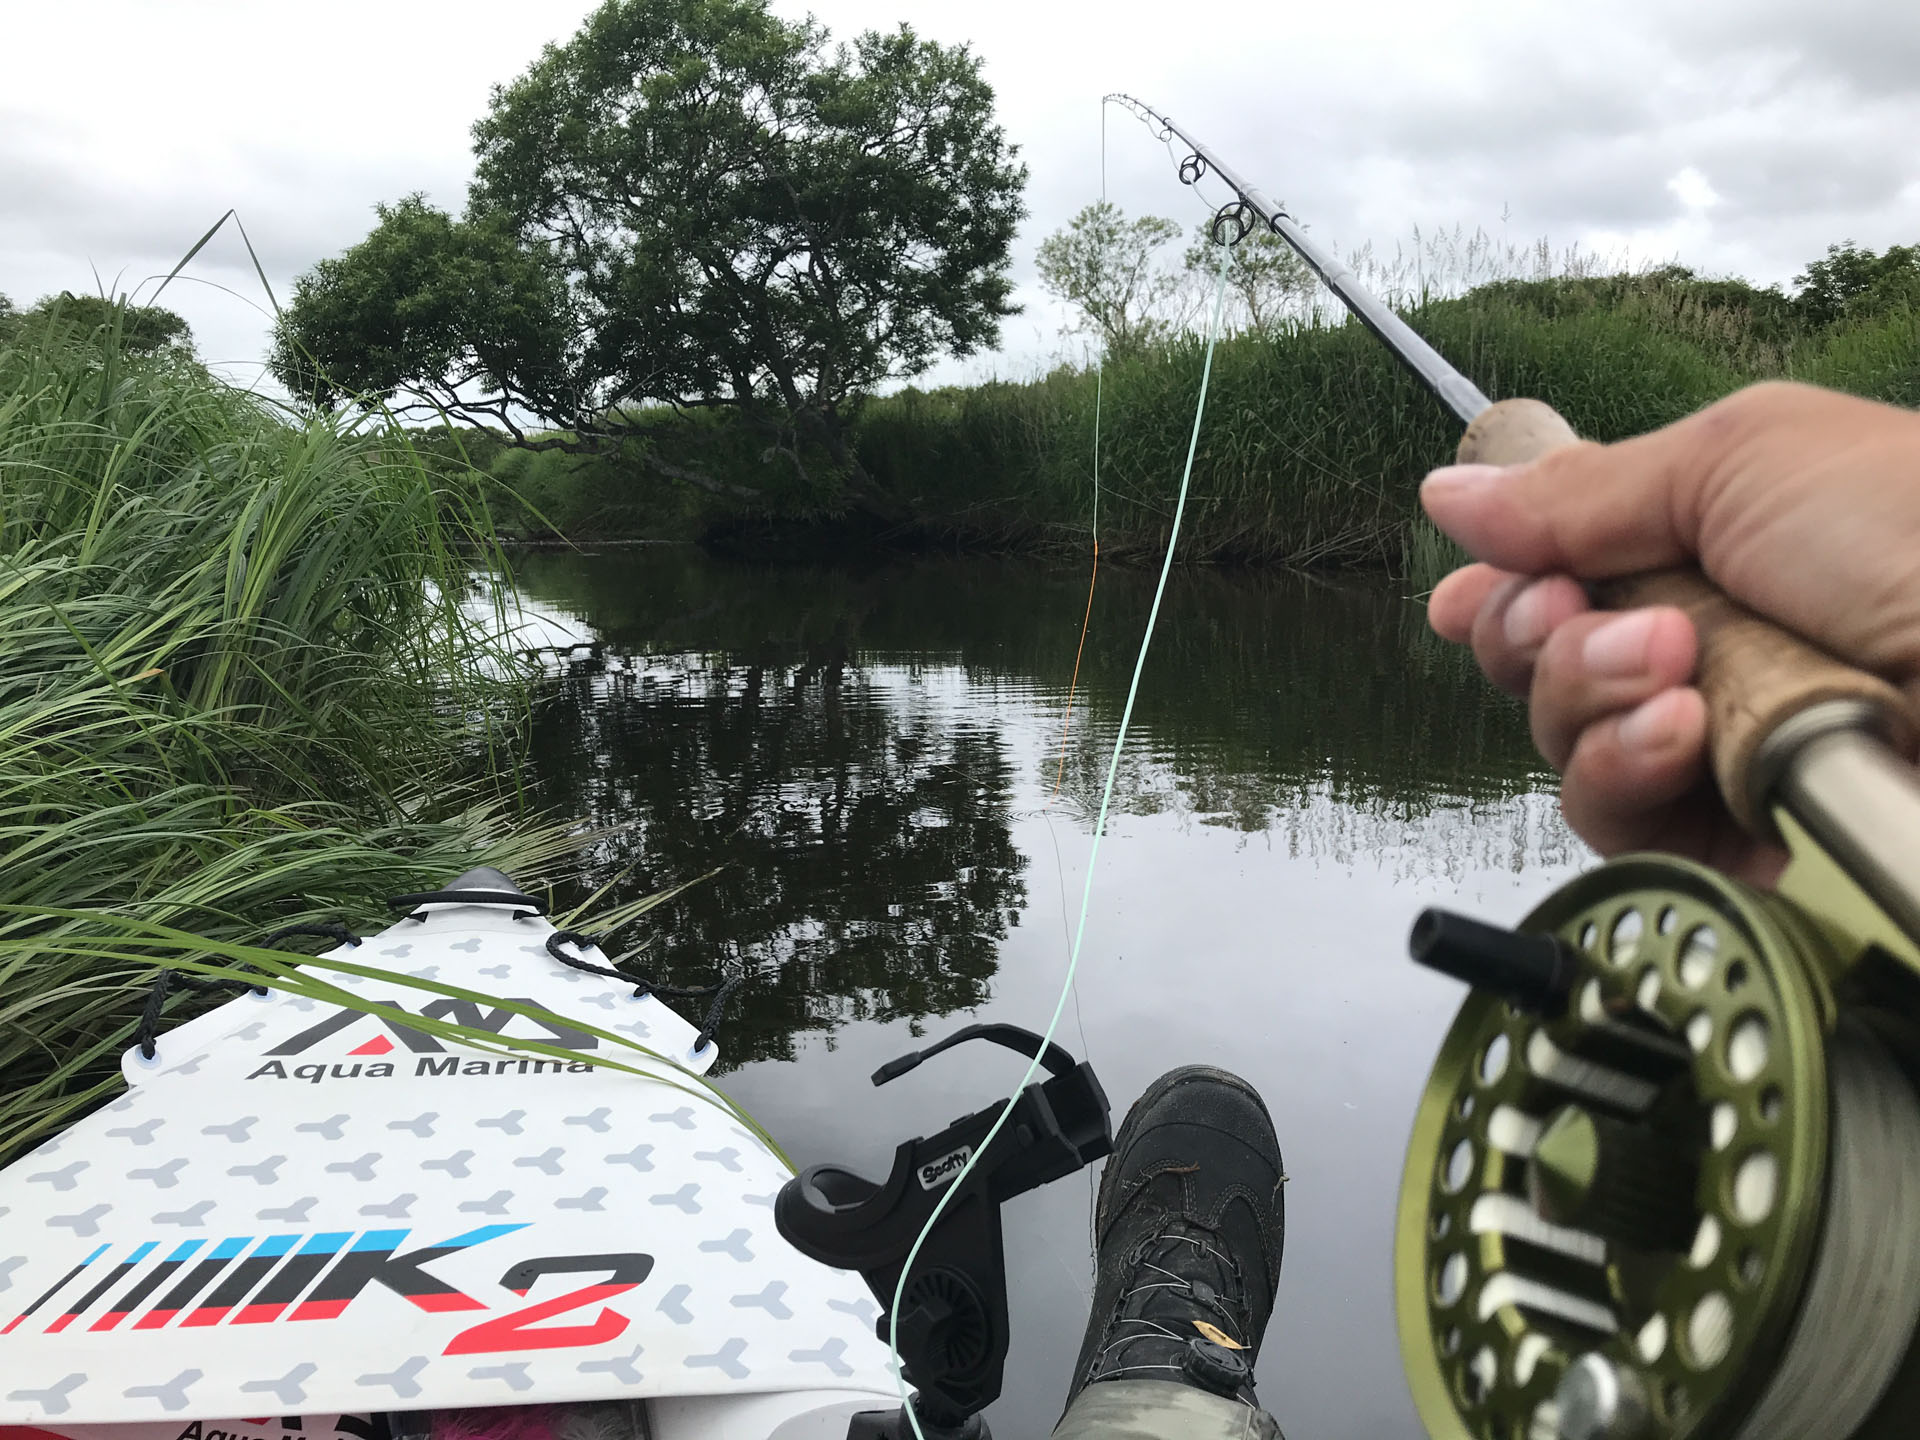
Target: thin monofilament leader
(1863,1295)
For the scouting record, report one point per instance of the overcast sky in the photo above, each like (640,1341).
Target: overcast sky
(1737,136)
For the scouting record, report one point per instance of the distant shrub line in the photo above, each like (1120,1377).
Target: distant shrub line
(1315,437)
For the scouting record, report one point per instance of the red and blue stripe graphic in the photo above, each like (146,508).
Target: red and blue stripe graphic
(146,1285)
(112,1278)
(239,1282)
(198,1278)
(55,1288)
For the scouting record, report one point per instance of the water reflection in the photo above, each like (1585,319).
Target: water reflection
(877,758)
(868,868)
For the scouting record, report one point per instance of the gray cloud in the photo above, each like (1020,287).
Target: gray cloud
(1572,119)
(1870,47)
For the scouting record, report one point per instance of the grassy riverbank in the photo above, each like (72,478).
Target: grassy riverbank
(1314,440)
(240,687)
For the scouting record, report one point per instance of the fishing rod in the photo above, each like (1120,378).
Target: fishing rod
(1453,389)
(1664,1180)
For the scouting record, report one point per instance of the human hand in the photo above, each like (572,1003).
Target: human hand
(1802,504)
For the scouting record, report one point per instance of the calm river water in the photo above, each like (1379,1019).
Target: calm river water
(877,760)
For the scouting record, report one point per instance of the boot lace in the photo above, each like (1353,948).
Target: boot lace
(1180,1275)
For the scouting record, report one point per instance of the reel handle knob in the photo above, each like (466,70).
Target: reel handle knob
(1755,676)
(1535,972)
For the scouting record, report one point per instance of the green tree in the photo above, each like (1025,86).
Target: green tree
(1852,283)
(1109,269)
(462,313)
(143,329)
(694,204)
(1265,277)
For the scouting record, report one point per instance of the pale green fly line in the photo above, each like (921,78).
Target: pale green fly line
(1093,854)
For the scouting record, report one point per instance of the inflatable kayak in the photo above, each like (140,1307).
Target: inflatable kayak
(305,1220)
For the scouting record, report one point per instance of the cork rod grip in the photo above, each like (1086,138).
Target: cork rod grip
(1755,676)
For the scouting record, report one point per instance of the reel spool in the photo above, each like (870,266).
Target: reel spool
(1662,1183)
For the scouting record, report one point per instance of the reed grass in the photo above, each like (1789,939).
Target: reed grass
(245,678)
(1316,437)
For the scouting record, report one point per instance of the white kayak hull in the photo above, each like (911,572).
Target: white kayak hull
(305,1210)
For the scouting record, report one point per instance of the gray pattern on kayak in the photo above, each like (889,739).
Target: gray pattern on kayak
(165,1176)
(682,1198)
(726,1360)
(87,1223)
(170,1394)
(400,1381)
(620,1367)
(288,1389)
(361,1169)
(734,1244)
(673,1305)
(53,1400)
(771,1300)
(828,1355)
(265,1172)
(65,1178)
(863,1309)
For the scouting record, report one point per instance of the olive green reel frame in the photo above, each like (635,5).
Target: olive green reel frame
(1645,1178)
(1681,1197)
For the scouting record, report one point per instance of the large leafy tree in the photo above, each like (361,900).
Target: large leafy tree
(1852,283)
(694,204)
(138,329)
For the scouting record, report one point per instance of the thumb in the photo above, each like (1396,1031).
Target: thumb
(1598,510)
(1588,510)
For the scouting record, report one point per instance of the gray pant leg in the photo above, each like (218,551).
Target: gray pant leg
(1160,1410)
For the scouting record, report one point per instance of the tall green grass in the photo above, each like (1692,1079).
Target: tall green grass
(245,677)
(1315,437)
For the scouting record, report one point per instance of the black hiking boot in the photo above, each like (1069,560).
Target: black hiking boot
(1189,1230)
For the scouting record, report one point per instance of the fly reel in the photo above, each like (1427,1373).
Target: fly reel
(1665,1178)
